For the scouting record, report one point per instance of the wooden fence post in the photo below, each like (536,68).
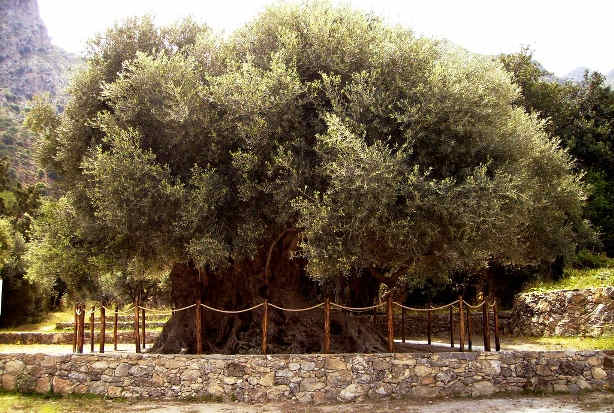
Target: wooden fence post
(403,324)
(199,334)
(326,349)
(265,316)
(76,332)
(137,339)
(469,340)
(485,325)
(390,325)
(496,315)
(143,326)
(429,321)
(103,328)
(115,328)
(461,324)
(92,319)
(82,327)
(451,327)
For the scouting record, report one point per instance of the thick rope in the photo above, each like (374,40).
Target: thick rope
(474,307)
(183,308)
(230,311)
(426,309)
(151,310)
(296,310)
(357,308)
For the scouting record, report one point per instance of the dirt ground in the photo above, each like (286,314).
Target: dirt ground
(592,402)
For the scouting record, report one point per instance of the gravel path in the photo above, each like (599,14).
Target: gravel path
(592,402)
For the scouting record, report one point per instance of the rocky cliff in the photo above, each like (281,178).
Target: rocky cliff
(29,65)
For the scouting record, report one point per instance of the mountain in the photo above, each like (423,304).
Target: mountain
(577,75)
(29,65)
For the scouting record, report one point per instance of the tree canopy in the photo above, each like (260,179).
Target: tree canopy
(401,156)
(581,115)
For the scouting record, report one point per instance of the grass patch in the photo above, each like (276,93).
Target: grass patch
(565,343)
(576,279)
(46,325)
(11,402)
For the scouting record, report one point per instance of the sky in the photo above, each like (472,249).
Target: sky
(564,34)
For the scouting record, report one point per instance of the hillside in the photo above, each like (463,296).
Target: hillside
(29,65)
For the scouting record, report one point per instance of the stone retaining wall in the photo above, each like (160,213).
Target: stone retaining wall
(588,312)
(308,377)
(66,338)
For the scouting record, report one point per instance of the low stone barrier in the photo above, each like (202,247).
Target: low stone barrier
(66,338)
(587,312)
(308,377)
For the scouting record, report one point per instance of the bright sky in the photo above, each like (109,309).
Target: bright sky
(564,34)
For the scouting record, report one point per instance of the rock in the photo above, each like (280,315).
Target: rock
(235,370)
(334,363)
(583,384)
(267,380)
(114,391)
(308,365)
(482,388)
(311,384)
(97,387)
(422,370)
(294,366)
(231,380)
(61,386)
(100,365)
(560,388)
(14,366)
(8,382)
(43,385)
(122,370)
(353,392)
(190,375)
(599,373)
(425,392)
(491,367)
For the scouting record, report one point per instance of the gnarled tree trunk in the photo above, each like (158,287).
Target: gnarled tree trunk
(243,285)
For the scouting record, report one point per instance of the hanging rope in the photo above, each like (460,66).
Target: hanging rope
(473,307)
(357,308)
(230,311)
(426,309)
(296,310)
(183,308)
(151,310)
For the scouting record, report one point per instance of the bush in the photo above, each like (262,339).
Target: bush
(588,259)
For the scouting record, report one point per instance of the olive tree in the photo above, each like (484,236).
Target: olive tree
(315,151)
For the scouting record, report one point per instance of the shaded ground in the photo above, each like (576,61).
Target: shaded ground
(592,402)
(413,344)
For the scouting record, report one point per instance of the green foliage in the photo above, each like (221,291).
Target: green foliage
(588,259)
(576,279)
(389,153)
(582,116)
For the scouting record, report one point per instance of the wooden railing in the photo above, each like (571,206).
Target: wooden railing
(463,307)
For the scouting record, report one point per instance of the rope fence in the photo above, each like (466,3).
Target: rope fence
(460,307)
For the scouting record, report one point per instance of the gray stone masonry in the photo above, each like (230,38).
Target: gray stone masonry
(308,377)
(588,312)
